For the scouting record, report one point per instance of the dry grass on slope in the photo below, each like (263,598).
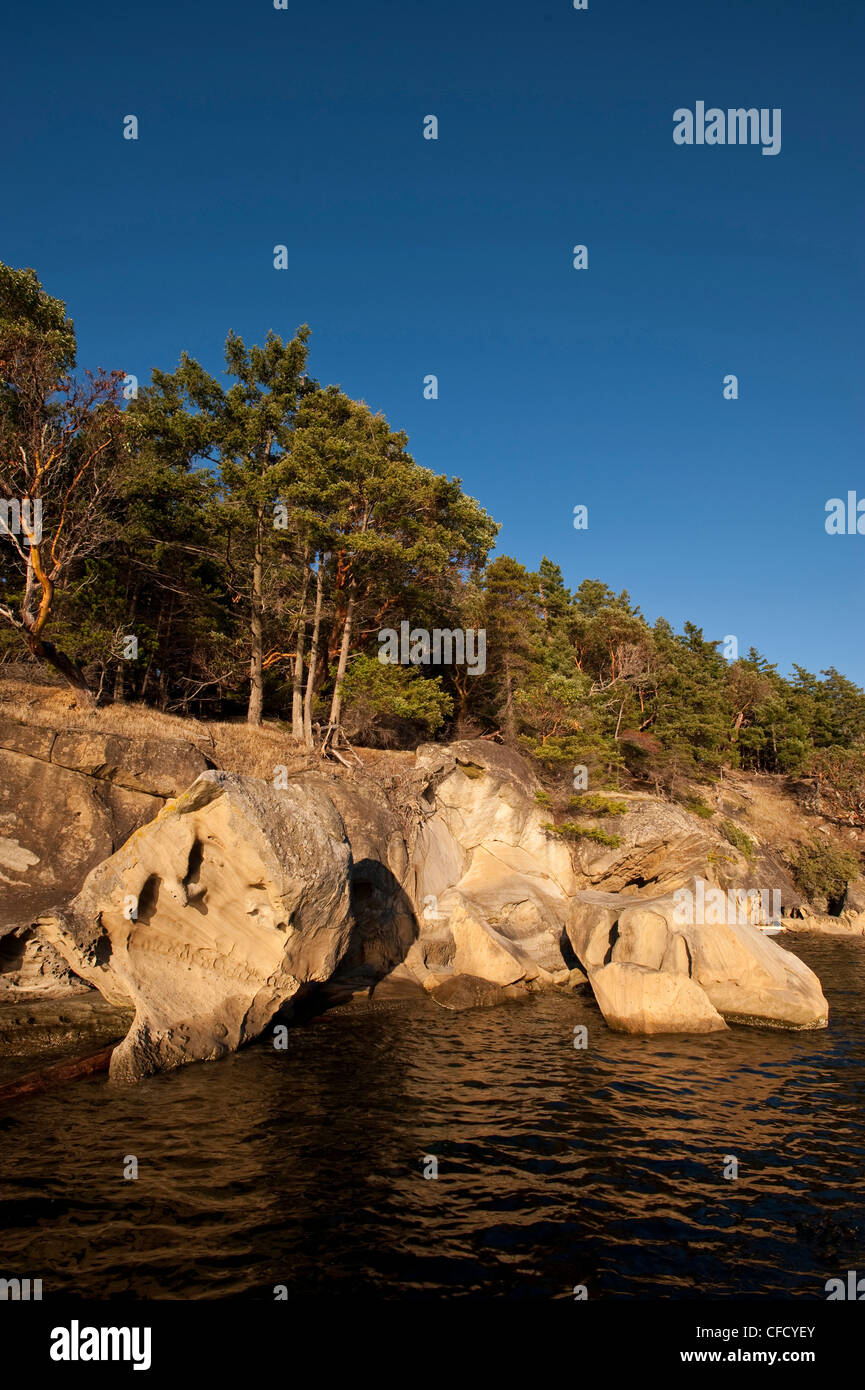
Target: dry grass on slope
(230,744)
(771,809)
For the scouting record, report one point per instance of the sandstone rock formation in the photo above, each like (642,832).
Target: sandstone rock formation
(68,800)
(500,898)
(385,922)
(854,903)
(491,887)
(635,999)
(849,922)
(446,877)
(211,917)
(460,992)
(673,977)
(31,969)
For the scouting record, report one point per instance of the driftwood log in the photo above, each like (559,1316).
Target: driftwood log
(44,1080)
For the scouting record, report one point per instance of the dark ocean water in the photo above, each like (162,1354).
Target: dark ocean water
(556,1167)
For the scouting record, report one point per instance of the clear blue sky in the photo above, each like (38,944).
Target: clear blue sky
(304,127)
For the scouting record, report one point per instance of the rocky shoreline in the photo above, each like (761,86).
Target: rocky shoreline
(235,902)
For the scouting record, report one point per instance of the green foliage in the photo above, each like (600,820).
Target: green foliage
(737,838)
(37,343)
(174,538)
(823,870)
(543,799)
(559,724)
(569,830)
(593,804)
(698,807)
(374,690)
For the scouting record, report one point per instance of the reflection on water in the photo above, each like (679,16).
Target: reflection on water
(556,1167)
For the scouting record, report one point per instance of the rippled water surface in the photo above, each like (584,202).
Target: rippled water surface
(557,1167)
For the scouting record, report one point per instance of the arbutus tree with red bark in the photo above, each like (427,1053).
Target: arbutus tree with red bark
(62,453)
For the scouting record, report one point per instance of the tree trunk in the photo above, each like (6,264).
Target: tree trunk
(35,612)
(509,721)
(313,657)
(256,666)
(336,703)
(119,696)
(71,673)
(145,683)
(462,702)
(297,692)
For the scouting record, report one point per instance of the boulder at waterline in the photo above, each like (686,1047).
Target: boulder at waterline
(211,917)
(636,999)
(744,976)
(469,991)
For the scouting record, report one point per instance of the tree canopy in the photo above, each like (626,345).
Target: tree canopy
(239,545)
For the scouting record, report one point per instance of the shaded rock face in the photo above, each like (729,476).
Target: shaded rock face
(212,917)
(653,974)
(30,969)
(68,800)
(385,923)
(460,992)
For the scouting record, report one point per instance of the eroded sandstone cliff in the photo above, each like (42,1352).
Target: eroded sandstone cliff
(211,912)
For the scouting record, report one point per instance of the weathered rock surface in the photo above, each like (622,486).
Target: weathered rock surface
(244,893)
(385,922)
(44,1028)
(210,918)
(492,888)
(744,976)
(854,901)
(31,969)
(468,992)
(157,766)
(638,999)
(54,827)
(497,897)
(662,847)
(829,926)
(68,800)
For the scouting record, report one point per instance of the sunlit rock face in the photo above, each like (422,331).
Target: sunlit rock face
(68,799)
(655,971)
(211,917)
(215,914)
(501,899)
(492,888)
